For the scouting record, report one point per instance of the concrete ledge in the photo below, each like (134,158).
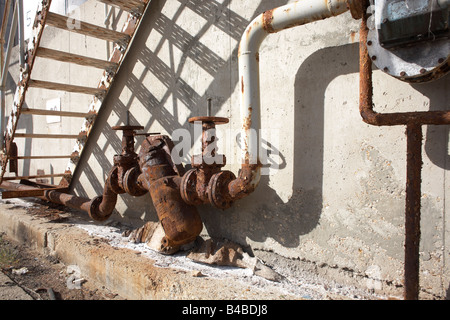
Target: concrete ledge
(126,272)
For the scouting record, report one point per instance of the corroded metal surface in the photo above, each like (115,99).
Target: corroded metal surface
(180,220)
(367,111)
(409,42)
(102,207)
(197,185)
(68,200)
(151,171)
(413,121)
(412,212)
(356,8)
(242,186)
(218,194)
(20,190)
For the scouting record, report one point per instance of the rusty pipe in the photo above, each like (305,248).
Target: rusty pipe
(161,177)
(413,122)
(272,21)
(102,207)
(366,106)
(68,200)
(99,208)
(58,197)
(412,210)
(156,173)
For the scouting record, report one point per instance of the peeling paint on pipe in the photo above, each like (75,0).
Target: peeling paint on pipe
(272,21)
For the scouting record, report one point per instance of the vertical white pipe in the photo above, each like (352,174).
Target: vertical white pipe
(272,21)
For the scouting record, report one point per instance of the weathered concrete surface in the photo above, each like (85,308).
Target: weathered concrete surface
(9,290)
(337,197)
(103,257)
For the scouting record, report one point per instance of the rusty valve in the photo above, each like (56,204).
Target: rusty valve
(204,182)
(126,165)
(153,171)
(122,178)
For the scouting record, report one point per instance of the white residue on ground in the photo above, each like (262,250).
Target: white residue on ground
(309,287)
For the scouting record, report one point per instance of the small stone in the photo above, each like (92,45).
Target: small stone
(20,271)
(196,274)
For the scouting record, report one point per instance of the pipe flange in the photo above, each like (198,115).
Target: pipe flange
(130,183)
(187,188)
(125,160)
(167,247)
(94,211)
(113,180)
(413,59)
(218,189)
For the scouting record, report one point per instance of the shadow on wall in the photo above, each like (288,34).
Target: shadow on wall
(263,214)
(178,91)
(437,137)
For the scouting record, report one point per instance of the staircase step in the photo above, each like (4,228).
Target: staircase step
(50,136)
(40,157)
(87,29)
(74,58)
(42,112)
(127,5)
(35,177)
(64,87)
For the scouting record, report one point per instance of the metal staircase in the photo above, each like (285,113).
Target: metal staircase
(122,40)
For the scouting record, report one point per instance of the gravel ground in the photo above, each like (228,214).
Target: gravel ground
(44,277)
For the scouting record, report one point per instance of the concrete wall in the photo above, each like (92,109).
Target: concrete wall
(337,197)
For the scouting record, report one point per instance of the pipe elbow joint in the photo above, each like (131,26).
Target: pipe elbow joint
(247,181)
(95,212)
(102,207)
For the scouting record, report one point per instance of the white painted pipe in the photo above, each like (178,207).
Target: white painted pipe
(272,21)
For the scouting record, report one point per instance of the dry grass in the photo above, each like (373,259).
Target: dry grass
(8,256)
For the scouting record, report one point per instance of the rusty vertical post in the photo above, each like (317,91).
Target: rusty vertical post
(412,212)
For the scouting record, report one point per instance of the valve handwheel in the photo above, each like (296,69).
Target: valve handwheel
(128,128)
(206,119)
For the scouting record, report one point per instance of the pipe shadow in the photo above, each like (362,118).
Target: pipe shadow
(437,137)
(268,217)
